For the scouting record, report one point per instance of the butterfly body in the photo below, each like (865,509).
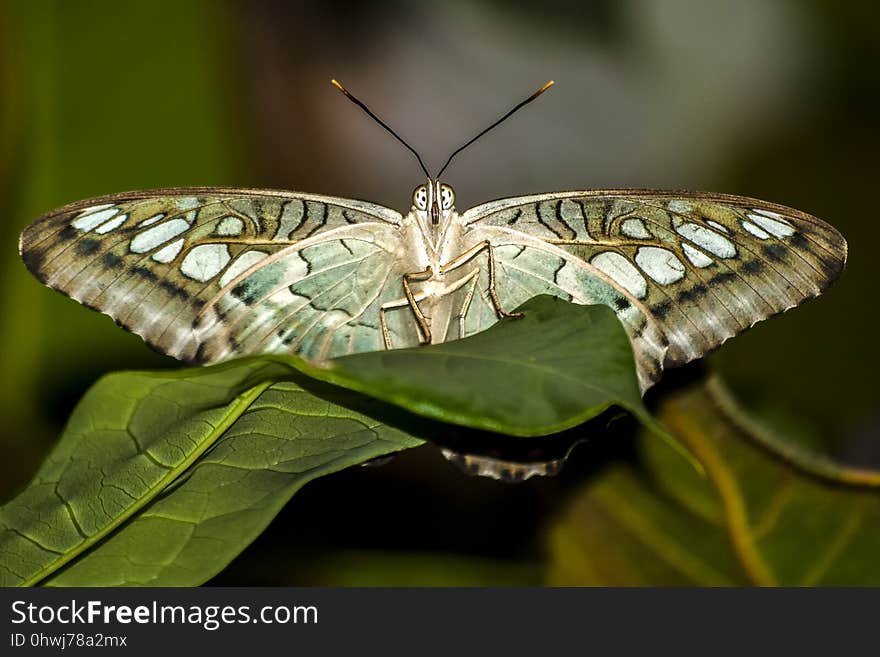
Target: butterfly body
(207,274)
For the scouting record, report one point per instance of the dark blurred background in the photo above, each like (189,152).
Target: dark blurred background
(777,100)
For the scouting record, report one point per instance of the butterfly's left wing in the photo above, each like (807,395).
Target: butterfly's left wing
(695,268)
(205,274)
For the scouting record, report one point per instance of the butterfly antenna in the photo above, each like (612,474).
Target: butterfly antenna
(381,123)
(501,120)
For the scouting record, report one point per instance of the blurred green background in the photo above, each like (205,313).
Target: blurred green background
(778,100)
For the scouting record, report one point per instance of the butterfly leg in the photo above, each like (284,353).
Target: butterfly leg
(469,255)
(410,300)
(465,306)
(416,277)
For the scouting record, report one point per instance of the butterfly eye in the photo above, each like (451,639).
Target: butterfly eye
(447,196)
(420,197)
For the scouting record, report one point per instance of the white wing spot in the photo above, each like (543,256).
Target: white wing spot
(660,264)
(150,239)
(635,228)
(230,226)
(621,271)
(91,219)
(770,213)
(95,208)
(772,222)
(113,224)
(697,257)
(205,261)
(717,226)
(760,233)
(168,253)
(152,220)
(244,262)
(707,239)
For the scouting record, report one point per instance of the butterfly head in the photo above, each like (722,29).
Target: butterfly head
(433,200)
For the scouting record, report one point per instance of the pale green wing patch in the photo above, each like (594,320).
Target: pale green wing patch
(700,267)
(319,299)
(159,263)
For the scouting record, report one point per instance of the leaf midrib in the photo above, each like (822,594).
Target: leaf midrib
(238,406)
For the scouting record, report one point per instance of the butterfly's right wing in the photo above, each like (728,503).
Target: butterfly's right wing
(207,274)
(690,268)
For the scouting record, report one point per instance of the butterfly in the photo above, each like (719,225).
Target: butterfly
(208,274)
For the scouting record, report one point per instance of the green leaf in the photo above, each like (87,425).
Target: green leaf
(754,519)
(558,366)
(141,490)
(163,477)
